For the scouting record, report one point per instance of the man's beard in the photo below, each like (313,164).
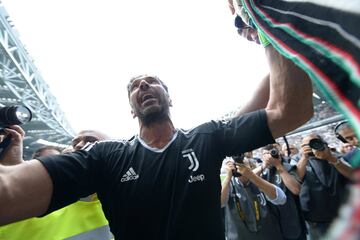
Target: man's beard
(154,116)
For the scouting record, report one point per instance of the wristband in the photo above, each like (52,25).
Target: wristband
(338,161)
(263,40)
(280,169)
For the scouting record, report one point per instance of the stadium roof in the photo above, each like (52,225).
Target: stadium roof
(22,84)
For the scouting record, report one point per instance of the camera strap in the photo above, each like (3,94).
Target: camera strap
(324,172)
(4,144)
(287,145)
(255,205)
(237,203)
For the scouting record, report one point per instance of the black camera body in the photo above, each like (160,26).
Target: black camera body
(13,115)
(238,159)
(317,144)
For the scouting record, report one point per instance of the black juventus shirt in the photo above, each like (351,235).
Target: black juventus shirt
(169,193)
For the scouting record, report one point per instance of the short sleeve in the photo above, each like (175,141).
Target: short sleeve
(245,133)
(73,176)
(280,198)
(292,170)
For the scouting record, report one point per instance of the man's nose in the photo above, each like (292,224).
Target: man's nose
(356,141)
(143,85)
(79,145)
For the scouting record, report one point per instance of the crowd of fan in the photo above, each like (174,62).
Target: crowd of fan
(322,111)
(288,191)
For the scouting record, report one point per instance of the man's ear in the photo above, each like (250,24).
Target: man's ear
(133,113)
(170,102)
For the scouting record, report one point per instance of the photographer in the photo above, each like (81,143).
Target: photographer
(346,134)
(279,172)
(10,118)
(247,199)
(324,177)
(13,147)
(46,151)
(83,219)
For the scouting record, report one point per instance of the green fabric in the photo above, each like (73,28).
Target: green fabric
(329,93)
(320,47)
(355,160)
(222,177)
(74,219)
(263,40)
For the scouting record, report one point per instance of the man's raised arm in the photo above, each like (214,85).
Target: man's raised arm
(26,191)
(25,188)
(286,94)
(259,98)
(290,102)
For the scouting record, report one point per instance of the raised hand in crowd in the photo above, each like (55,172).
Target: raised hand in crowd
(269,161)
(244,170)
(323,154)
(230,168)
(246,174)
(290,180)
(342,166)
(305,153)
(12,154)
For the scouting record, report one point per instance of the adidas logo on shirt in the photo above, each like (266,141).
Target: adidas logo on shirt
(129,175)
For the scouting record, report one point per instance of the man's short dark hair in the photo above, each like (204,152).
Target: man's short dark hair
(270,146)
(145,75)
(38,152)
(342,125)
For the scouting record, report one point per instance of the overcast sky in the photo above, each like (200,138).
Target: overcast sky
(87,50)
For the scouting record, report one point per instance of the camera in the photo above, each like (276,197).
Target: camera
(13,115)
(317,144)
(238,159)
(274,153)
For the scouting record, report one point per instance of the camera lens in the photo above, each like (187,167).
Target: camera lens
(14,115)
(274,153)
(239,158)
(317,144)
(23,114)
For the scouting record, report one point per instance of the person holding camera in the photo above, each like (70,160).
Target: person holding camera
(246,199)
(249,156)
(83,219)
(346,134)
(289,153)
(46,151)
(324,177)
(278,171)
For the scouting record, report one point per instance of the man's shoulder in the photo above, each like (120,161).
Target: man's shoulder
(213,125)
(111,144)
(204,128)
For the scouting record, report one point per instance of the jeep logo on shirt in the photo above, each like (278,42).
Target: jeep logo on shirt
(200,177)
